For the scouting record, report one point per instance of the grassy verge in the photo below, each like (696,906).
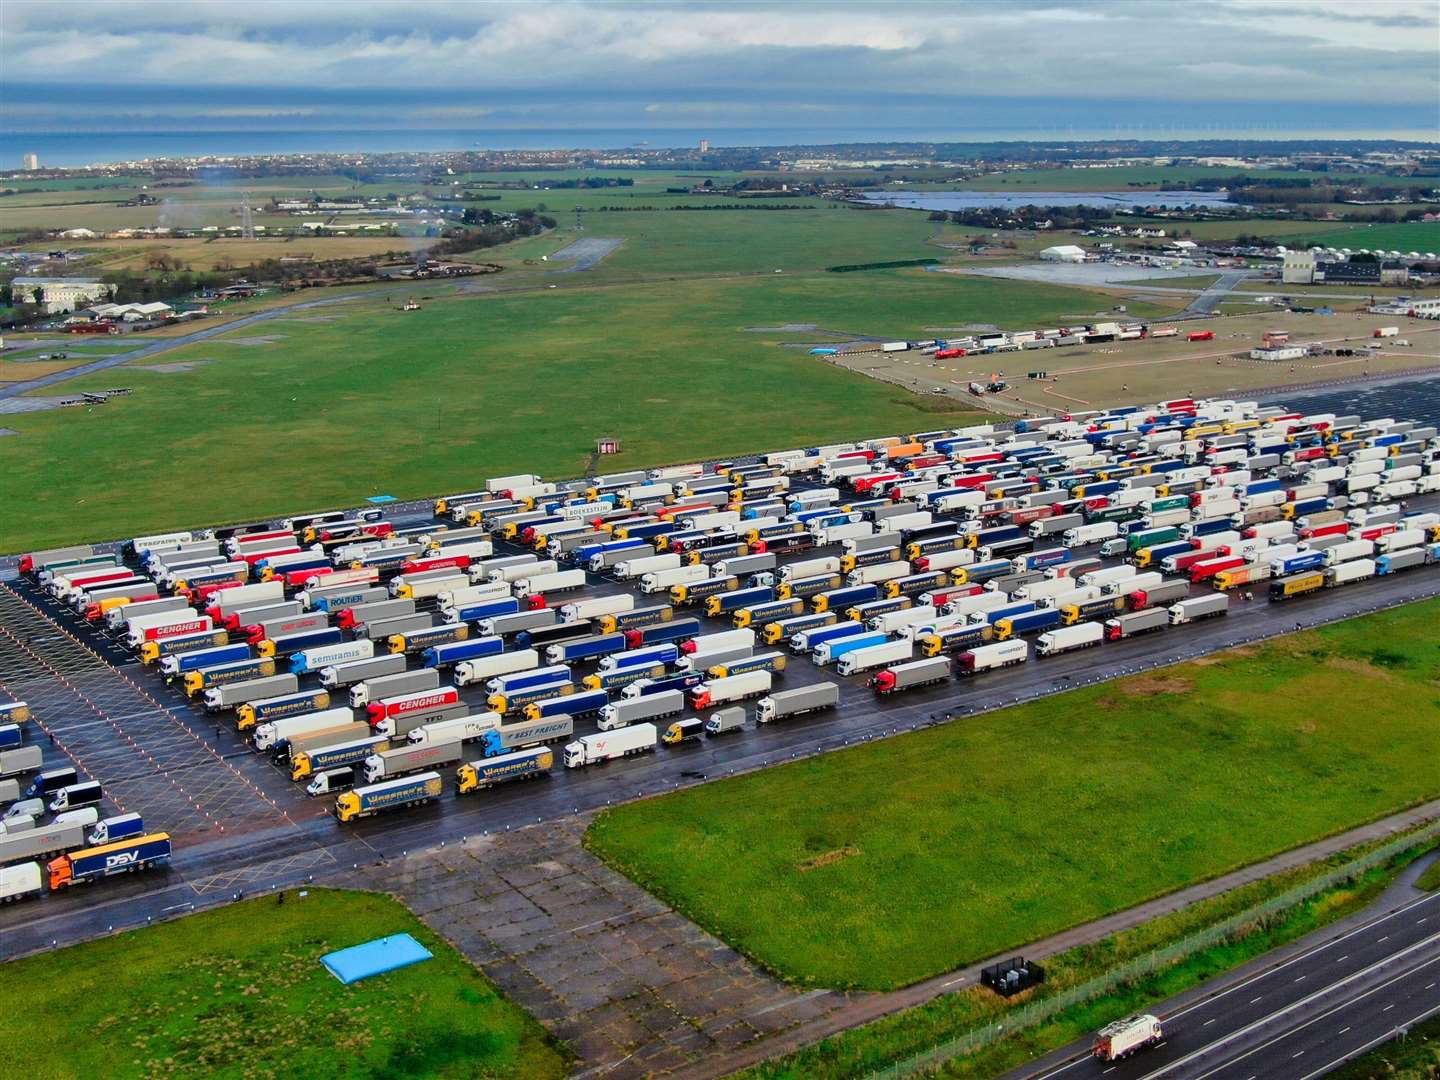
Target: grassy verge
(332,405)
(1416,1057)
(1430,880)
(863,1050)
(240,992)
(884,864)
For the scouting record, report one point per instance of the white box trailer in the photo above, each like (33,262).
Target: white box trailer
(829,564)
(876,573)
(996,655)
(805,699)
(608,745)
(892,621)
(891,652)
(1199,607)
(558,581)
(455,599)
(626,711)
(241,596)
(1065,638)
(731,688)
(428,584)
(271,734)
(136,628)
(596,607)
(1346,572)
(662,580)
(337,676)
(646,564)
(520,570)
(470,672)
(116,617)
(1090,534)
(459,728)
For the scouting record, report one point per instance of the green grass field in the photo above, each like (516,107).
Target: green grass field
(758,241)
(240,992)
(1410,236)
(407,404)
(861,1051)
(882,865)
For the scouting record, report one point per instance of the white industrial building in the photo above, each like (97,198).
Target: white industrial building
(59,294)
(1298,268)
(1064,253)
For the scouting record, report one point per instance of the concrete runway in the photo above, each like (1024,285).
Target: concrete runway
(1295,1016)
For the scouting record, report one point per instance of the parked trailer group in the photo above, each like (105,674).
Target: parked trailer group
(354,649)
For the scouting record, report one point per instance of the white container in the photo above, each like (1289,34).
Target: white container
(270,734)
(597,606)
(463,728)
(996,655)
(589,749)
(469,672)
(891,652)
(878,572)
(558,581)
(662,580)
(1065,638)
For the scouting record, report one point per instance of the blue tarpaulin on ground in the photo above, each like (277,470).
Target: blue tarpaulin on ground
(381,499)
(374,957)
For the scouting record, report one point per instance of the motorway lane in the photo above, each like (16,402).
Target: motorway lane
(1292,1019)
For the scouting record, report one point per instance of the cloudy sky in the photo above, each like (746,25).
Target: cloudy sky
(954,69)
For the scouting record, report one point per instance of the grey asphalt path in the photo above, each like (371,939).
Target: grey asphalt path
(1211,297)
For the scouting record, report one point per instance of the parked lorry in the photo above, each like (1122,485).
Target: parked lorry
(621,713)
(340,676)
(388,795)
(19,882)
(403,760)
(500,769)
(352,752)
(874,656)
(1198,607)
(388,686)
(120,857)
(911,675)
(805,699)
(1066,638)
(505,738)
(275,734)
(1136,622)
(608,745)
(989,657)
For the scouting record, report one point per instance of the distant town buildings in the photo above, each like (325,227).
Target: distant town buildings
(704,146)
(31,162)
(57,295)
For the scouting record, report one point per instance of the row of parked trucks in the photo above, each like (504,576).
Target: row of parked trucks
(344,644)
(51,813)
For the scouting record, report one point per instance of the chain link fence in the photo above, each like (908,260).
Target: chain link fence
(1039,1011)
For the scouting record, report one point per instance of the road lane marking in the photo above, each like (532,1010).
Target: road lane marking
(1314,995)
(1386,1037)
(1302,978)
(1212,1020)
(1296,1054)
(1343,1030)
(1255,999)
(1428,899)
(1343,958)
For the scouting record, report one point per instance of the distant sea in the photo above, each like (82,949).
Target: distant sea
(85,148)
